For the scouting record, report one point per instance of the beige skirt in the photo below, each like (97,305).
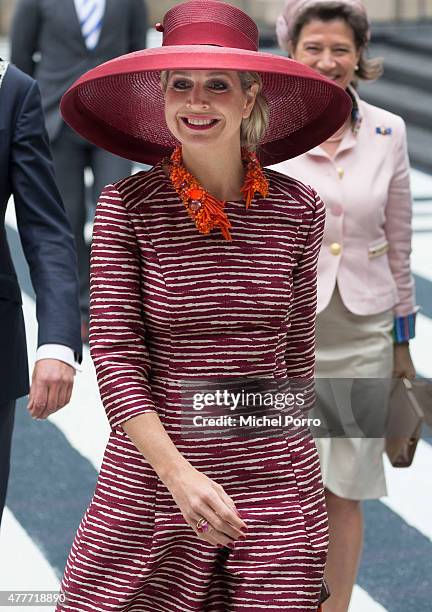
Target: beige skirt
(353,346)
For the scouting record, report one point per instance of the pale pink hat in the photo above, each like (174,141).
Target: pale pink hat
(293,9)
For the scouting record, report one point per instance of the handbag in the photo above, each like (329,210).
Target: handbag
(423,392)
(404,424)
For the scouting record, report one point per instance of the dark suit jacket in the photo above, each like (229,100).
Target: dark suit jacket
(26,173)
(51,28)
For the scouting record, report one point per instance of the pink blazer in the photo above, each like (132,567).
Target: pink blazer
(367,237)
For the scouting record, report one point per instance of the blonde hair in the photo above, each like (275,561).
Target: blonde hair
(254,127)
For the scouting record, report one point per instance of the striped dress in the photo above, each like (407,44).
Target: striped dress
(168,305)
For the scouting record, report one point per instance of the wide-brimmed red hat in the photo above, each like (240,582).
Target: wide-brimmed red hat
(119,105)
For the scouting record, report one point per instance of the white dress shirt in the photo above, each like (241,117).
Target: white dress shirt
(60,352)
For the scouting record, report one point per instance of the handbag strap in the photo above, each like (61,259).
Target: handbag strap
(410,391)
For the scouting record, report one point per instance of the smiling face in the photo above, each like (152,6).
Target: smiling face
(206,107)
(328,47)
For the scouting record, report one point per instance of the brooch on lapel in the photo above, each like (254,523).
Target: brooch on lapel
(384,131)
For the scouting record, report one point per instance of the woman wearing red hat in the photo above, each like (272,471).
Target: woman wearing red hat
(203,268)
(366,303)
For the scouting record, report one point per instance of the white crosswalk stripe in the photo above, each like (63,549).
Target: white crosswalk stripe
(421,346)
(362,602)
(23,567)
(415,511)
(421,256)
(422,221)
(83,420)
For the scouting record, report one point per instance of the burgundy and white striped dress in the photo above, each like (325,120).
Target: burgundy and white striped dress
(169,304)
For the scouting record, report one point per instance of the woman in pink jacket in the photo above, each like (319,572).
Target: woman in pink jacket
(366,308)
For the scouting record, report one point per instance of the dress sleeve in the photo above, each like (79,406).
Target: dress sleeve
(399,231)
(300,348)
(117,331)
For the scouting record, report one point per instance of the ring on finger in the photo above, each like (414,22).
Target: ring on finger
(203,526)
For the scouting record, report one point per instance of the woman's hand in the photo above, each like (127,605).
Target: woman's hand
(198,497)
(403,365)
(194,493)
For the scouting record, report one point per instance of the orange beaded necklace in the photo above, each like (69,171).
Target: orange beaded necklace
(206,211)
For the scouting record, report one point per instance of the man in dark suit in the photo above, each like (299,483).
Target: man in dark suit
(72,36)
(26,172)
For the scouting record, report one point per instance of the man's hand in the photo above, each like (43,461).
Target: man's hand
(51,387)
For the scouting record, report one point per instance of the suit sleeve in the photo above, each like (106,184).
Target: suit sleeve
(300,352)
(117,331)
(138,26)
(399,231)
(24,36)
(44,230)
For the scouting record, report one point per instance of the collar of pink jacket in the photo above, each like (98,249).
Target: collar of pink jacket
(349,140)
